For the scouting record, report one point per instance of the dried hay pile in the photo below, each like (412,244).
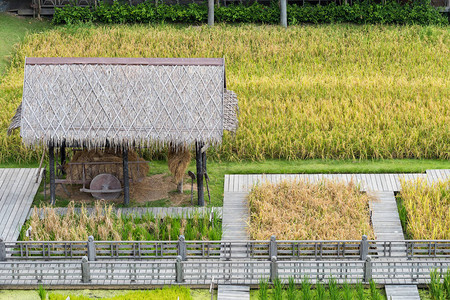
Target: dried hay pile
(178,160)
(298,210)
(136,171)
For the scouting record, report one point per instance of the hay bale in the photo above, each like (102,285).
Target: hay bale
(75,172)
(178,160)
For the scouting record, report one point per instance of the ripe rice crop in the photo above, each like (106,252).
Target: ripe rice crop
(333,91)
(427,209)
(298,210)
(105,225)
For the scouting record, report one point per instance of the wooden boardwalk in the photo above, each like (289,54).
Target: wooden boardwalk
(17,190)
(385,218)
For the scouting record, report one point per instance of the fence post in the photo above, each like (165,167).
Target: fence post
(273,268)
(364,248)
(182,247)
(2,250)
(283,13)
(179,270)
(273,249)
(91,248)
(85,271)
(367,269)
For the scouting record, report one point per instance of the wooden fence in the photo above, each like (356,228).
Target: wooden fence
(201,272)
(253,250)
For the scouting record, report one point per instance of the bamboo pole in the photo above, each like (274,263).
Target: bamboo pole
(126,179)
(51,158)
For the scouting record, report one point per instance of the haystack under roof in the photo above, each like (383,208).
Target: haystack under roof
(94,102)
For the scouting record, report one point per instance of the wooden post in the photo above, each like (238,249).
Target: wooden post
(126,178)
(367,269)
(85,272)
(2,250)
(283,13)
(199,161)
(182,247)
(273,249)
(91,248)
(364,248)
(62,151)
(210,13)
(273,269)
(51,158)
(179,270)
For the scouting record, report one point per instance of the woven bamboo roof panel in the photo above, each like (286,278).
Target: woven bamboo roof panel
(88,101)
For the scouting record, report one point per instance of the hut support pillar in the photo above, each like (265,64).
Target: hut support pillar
(62,151)
(51,158)
(200,172)
(126,178)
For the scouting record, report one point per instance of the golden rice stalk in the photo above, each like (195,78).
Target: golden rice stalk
(299,210)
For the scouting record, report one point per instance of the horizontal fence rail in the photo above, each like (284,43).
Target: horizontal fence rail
(202,272)
(219,250)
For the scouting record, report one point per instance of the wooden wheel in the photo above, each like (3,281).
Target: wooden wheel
(105,186)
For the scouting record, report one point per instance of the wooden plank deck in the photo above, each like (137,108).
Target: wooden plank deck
(17,190)
(232,292)
(402,292)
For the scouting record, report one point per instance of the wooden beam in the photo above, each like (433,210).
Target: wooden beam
(126,178)
(51,158)
(200,174)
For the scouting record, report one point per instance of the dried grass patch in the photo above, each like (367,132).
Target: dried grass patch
(427,209)
(299,210)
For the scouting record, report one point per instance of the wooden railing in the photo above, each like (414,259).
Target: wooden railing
(220,250)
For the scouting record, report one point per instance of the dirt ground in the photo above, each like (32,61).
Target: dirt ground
(150,189)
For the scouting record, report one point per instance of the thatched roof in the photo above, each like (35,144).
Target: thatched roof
(131,101)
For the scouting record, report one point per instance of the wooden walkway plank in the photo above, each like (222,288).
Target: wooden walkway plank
(22,204)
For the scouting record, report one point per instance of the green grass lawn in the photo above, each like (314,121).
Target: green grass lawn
(13,30)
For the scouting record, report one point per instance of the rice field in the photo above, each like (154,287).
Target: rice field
(105,225)
(332,91)
(426,209)
(298,210)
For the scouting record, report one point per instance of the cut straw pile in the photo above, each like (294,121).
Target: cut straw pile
(427,209)
(298,210)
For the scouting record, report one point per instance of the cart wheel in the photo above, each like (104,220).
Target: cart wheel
(105,182)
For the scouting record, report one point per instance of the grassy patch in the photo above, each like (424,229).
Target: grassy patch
(298,210)
(288,290)
(426,209)
(105,225)
(332,91)
(12,31)
(166,293)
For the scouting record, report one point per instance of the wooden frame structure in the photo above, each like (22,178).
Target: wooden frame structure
(125,103)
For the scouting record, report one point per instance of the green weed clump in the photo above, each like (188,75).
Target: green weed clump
(166,293)
(104,224)
(332,91)
(426,209)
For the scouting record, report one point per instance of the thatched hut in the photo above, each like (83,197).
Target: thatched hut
(123,103)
